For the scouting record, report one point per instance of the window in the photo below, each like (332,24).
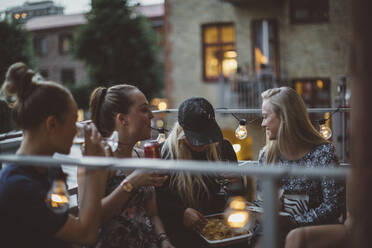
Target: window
(265,46)
(65,43)
(40,46)
(316,93)
(219,53)
(309,11)
(68,76)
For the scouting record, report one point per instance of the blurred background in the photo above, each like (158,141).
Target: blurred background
(227,51)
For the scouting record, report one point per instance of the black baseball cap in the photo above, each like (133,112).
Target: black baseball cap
(196,117)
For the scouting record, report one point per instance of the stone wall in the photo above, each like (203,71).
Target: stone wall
(54,62)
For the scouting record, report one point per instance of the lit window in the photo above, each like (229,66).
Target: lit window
(219,53)
(265,46)
(65,43)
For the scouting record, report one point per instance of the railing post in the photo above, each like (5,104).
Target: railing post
(270,218)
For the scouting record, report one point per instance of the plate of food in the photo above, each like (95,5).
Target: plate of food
(217,233)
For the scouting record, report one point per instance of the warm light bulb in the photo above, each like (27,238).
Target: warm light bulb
(57,198)
(241,131)
(238,219)
(238,203)
(325,131)
(237,148)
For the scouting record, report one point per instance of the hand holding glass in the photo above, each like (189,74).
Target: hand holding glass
(111,141)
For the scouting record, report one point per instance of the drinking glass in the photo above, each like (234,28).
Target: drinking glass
(111,141)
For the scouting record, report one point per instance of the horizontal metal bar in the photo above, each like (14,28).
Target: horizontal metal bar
(176,165)
(256,111)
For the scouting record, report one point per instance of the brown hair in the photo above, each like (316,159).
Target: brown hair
(106,103)
(34,101)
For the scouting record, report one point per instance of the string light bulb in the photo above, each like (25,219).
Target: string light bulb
(324,130)
(57,198)
(237,216)
(241,132)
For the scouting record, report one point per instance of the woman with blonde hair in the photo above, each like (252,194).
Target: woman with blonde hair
(293,140)
(185,198)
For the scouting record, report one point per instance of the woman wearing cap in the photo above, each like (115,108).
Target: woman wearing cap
(184,199)
(292,139)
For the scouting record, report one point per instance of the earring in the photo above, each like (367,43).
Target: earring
(124,123)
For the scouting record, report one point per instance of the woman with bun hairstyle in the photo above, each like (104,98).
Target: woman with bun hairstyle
(46,112)
(129,207)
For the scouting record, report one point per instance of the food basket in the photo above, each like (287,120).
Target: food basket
(219,219)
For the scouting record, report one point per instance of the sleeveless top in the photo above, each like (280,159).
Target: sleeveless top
(132,228)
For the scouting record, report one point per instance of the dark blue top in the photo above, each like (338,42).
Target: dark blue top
(25,220)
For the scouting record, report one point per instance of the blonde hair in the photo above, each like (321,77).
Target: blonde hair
(189,187)
(295,125)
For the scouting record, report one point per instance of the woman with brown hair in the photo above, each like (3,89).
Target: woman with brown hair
(129,206)
(46,112)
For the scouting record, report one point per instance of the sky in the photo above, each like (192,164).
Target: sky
(71,6)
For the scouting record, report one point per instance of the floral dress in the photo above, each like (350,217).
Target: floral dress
(311,201)
(132,228)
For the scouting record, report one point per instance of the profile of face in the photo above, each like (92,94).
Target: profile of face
(138,121)
(270,120)
(66,129)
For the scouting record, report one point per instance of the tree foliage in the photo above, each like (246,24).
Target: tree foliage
(119,46)
(15,46)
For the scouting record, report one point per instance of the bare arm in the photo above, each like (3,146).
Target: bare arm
(84,229)
(152,211)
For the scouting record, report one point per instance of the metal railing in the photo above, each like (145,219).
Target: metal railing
(268,175)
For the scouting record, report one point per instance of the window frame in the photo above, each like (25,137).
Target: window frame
(311,8)
(60,43)
(37,43)
(219,44)
(275,41)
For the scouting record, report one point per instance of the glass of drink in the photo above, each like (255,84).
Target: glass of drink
(111,141)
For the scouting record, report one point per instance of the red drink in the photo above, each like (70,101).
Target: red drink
(152,149)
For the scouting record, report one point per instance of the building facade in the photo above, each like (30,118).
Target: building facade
(303,44)
(29,10)
(53,41)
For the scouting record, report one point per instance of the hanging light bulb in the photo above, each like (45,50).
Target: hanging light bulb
(325,131)
(241,131)
(237,216)
(57,198)
(161,137)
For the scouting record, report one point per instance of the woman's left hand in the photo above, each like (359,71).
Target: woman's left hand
(166,244)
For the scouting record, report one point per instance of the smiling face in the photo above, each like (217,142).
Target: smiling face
(138,120)
(270,120)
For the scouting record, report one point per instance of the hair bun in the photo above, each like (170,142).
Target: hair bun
(19,81)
